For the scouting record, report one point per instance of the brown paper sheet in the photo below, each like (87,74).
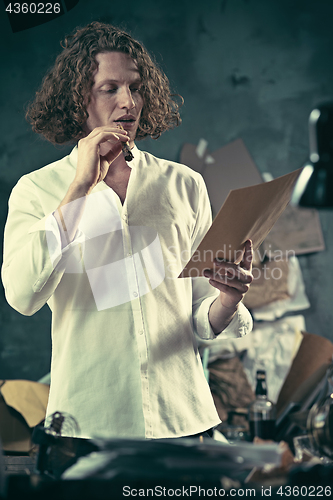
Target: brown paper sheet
(298,231)
(247,213)
(313,358)
(189,157)
(28,398)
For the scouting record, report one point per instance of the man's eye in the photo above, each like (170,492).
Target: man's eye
(111,91)
(135,89)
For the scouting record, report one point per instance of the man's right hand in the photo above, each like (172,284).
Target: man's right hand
(96,152)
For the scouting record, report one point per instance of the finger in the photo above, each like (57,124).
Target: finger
(226,269)
(111,139)
(229,268)
(229,282)
(231,272)
(246,262)
(103,134)
(107,129)
(113,153)
(110,145)
(237,295)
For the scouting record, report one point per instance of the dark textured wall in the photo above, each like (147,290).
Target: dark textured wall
(246,68)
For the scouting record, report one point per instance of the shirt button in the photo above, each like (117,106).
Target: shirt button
(135,294)
(129,254)
(140,332)
(125,218)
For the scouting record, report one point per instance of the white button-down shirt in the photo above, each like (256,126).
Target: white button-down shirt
(125,359)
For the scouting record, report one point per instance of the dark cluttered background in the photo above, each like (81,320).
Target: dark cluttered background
(249,69)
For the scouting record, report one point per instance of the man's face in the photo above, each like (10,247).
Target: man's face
(115,96)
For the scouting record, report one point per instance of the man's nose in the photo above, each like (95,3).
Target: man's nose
(126,98)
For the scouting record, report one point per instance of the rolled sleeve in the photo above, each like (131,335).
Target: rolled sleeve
(240,325)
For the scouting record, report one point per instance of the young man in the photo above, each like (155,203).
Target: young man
(102,240)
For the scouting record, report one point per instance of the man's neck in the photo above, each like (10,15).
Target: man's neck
(118,176)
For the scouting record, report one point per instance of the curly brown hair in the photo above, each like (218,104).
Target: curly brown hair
(58,111)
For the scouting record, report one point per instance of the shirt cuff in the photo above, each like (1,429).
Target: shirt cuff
(202,325)
(240,325)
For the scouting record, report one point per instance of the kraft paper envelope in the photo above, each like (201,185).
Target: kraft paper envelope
(247,213)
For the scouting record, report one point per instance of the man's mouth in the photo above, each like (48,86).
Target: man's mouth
(127,119)
(126,123)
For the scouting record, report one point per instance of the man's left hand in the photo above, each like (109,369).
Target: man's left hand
(233,280)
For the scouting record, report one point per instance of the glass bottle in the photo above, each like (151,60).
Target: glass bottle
(262,412)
